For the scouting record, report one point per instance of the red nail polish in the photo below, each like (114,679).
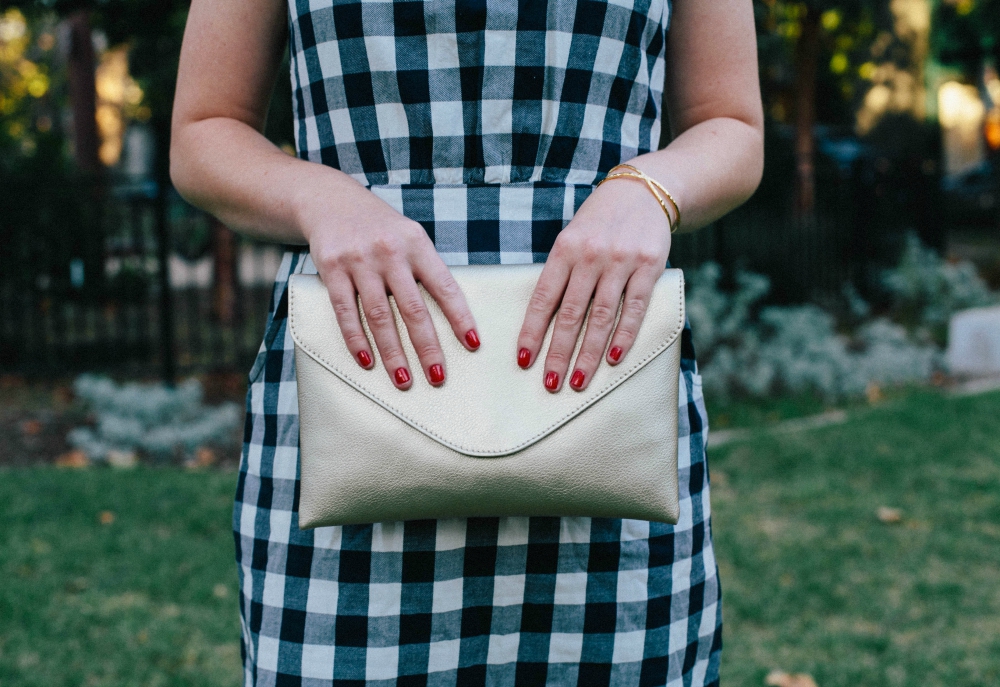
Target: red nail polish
(472,338)
(576,381)
(436,373)
(402,375)
(551,381)
(524,358)
(364,358)
(615,353)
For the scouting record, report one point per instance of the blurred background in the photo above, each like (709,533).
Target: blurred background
(847,321)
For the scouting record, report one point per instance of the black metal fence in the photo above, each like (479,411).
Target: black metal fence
(80,286)
(867,200)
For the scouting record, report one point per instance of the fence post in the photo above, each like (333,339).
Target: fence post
(167,352)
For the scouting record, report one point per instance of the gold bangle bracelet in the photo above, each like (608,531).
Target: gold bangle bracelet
(654,187)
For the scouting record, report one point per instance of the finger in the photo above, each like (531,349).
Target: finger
(413,309)
(345,305)
(382,323)
(569,320)
(637,295)
(441,285)
(543,303)
(600,322)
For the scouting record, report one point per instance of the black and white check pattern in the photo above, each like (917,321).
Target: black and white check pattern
(488,123)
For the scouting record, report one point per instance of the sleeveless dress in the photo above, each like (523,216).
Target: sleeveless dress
(489,122)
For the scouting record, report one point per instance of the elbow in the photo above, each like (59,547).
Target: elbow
(182,168)
(755,160)
(178,165)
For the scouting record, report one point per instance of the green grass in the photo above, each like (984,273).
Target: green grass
(149,599)
(813,581)
(739,413)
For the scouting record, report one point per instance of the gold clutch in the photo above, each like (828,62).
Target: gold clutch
(491,441)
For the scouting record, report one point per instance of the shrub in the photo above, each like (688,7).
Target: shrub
(746,348)
(153,418)
(927,290)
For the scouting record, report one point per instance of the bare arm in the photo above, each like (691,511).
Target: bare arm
(619,241)
(220,161)
(716,159)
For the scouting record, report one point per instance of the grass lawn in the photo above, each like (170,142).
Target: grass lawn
(117,578)
(814,582)
(126,577)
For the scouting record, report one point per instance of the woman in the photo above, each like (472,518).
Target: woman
(434,133)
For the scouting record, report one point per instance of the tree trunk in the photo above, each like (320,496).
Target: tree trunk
(224,278)
(82,93)
(806,58)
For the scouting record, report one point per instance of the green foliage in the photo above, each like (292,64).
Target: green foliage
(746,348)
(30,96)
(814,582)
(927,290)
(848,30)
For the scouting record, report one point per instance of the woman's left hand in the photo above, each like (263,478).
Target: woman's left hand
(617,243)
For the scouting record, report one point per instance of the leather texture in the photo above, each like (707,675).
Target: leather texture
(491,441)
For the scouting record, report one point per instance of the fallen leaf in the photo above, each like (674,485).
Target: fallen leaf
(873,392)
(122,459)
(204,457)
(719,478)
(889,516)
(106,517)
(779,678)
(220,591)
(31,427)
(73,459)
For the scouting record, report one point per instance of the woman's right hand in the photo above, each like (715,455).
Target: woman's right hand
(365,247)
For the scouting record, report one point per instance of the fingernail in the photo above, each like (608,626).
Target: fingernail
(402,375)
(436,373)
(615,353)
(524,358)
(551,381)
(576,381)
(472,338)
(364,358)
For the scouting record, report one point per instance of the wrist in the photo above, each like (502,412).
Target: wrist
(633,199)
(663,197)
(326,194)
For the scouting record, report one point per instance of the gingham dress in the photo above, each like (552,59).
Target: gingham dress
(488,122)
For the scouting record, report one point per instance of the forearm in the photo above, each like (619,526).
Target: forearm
(227,168)
(709,169)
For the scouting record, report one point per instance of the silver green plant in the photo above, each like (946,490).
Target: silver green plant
(152,418)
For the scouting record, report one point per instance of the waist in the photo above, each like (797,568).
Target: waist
(438,205)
